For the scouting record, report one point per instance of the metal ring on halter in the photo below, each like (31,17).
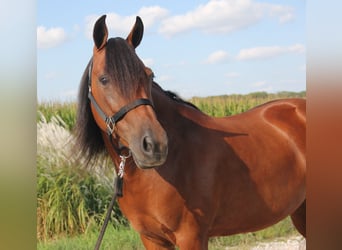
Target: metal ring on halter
(129,154)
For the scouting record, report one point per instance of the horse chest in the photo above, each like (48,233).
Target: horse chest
(152,209)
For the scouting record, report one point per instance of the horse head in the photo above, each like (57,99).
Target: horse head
(120,93)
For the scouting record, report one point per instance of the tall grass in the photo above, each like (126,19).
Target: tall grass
(65,111)
(70,198)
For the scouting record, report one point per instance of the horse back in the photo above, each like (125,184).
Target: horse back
(285,116)
(267,168)
(289,117)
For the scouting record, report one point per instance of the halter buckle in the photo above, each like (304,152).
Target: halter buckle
(110,126)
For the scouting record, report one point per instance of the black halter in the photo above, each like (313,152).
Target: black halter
(113,120)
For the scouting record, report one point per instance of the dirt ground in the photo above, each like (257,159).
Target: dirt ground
(292,243)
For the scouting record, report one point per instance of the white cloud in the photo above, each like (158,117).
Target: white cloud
(268,52)
(284,13)
(151,15)
(224,16)
(217,57)
(215,16)
(48,38)
(260,52)
(121,25)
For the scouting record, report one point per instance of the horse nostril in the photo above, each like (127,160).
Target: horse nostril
(147,145)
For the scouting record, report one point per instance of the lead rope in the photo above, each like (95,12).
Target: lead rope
(118,182)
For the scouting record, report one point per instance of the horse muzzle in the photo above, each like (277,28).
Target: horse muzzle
(152,151)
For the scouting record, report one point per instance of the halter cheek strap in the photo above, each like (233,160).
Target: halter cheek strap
(111,121)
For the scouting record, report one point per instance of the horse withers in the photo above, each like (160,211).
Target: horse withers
(191,176)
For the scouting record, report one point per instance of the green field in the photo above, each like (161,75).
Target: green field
(72,199)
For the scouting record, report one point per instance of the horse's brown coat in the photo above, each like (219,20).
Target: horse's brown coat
(222,176)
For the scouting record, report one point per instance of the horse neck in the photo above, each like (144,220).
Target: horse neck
(174,115)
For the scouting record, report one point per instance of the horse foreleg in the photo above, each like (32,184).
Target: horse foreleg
(194,243)
(299,219)
(151,244)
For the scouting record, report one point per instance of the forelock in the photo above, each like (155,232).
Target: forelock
(123,65)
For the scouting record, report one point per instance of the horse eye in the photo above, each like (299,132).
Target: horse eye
(103,80)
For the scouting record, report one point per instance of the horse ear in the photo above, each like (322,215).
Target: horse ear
(100,33)
(135,36)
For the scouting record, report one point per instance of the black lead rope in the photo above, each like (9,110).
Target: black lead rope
(118,184)
(110,208)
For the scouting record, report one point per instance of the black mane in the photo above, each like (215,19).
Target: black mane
(175,97)
(178,99)
(88,135)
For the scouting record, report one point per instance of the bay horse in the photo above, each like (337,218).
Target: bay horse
(191,176)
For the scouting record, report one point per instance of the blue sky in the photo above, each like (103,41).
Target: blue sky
(195,48)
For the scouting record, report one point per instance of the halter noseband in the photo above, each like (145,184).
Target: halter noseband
(113,120)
